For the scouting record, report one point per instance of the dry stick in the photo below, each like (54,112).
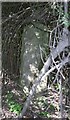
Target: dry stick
(41,54)
(61,45)
(60,98)
(58,68)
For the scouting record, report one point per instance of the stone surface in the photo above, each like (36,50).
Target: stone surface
(32,38)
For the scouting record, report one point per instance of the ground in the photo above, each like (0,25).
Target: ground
(45,103)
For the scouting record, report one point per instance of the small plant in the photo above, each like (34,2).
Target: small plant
(13,106)
(44,114)
(56,86)
(42,102)
(52,107)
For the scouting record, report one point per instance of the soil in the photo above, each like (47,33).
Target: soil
(11,86)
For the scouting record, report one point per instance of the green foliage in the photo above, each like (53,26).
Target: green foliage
(42,102)
(52,108)
(56,86)
(44,114)
(13,105)
(65,20)
(63,17)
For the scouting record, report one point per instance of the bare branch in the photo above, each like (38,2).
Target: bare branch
(41,54)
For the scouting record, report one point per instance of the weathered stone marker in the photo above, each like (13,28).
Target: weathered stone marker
(30,54)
